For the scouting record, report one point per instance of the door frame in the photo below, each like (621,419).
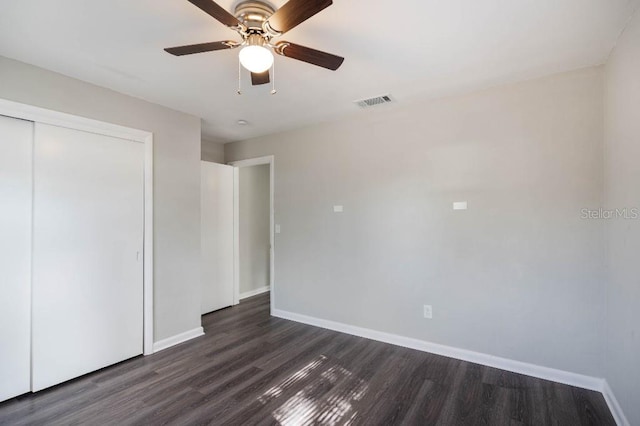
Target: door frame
(60,119)
(270,160)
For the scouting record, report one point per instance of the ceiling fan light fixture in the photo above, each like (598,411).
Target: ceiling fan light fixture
(254,56)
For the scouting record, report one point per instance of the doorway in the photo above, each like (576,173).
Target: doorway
(254,228)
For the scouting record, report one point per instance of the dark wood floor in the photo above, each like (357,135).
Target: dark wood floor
(252,369)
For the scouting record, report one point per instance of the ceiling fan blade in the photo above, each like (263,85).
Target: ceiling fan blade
(213,9)
(202,47)
(294,12)
(307,54)
(258,78)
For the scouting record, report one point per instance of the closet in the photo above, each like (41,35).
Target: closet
(71,253)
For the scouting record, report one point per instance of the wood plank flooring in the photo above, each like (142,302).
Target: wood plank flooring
(253,369)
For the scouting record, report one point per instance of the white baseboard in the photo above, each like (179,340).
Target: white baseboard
(254,292)
(612,402)
(560,376)
(177,339)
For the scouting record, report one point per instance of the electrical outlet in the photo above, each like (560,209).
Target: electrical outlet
(428,311)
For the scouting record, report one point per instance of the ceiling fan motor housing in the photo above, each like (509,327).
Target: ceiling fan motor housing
(253,14)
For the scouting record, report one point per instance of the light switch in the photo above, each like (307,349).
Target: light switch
(277,229)
(460,205)
(337,209)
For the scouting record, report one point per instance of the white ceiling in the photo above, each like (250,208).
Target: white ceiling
(409,48)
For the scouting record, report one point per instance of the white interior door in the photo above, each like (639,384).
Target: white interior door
(216,188)
(16,142)
(87,253)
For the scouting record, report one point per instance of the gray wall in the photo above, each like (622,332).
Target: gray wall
(622,189)
(254,227)
(518,275)
(176,178)
(212,151)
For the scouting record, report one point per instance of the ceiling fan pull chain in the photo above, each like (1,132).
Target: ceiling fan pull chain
(273,81)
(239,77)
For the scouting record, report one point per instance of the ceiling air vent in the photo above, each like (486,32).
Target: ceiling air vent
(371,102)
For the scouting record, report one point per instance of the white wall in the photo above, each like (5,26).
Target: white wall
(254,227)
(176,178)
(622,189)
(518,275)
(212,151)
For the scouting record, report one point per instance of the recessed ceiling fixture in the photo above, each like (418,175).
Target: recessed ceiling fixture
(258,23)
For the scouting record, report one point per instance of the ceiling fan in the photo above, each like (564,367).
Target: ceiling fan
(258,23)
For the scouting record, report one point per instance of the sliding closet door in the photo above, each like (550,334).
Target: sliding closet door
(16,141)
(87,253)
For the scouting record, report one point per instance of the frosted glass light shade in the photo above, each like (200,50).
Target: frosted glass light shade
(256,58)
